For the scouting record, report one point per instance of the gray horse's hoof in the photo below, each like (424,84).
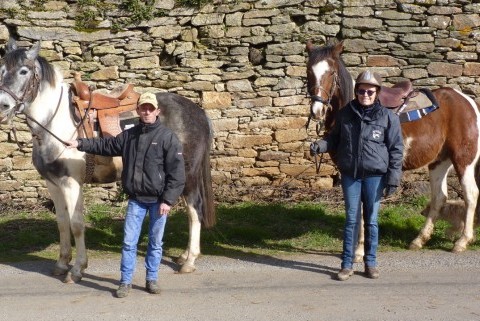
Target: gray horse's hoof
(187,268)
(59,271)
(71,278)
(180,260)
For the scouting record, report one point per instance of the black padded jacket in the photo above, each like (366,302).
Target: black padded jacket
(153,164)
(367,143)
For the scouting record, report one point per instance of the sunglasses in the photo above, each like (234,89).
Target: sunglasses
(362,92)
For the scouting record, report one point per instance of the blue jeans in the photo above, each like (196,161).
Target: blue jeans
(136,212)
(367,191)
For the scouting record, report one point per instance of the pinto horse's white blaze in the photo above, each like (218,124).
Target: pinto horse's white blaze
(318,108)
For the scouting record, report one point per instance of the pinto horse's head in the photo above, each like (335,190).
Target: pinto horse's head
(21,72)
(329,84)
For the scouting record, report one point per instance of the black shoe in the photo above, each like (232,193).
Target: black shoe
(152,287)
(123,290)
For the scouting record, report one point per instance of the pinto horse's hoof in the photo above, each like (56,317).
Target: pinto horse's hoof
(358,259)
(187,268)
(459,248)
(414,246)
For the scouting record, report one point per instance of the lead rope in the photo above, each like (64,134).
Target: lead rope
(44,127)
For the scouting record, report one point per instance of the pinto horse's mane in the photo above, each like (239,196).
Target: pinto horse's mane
(344,78)
(16,57)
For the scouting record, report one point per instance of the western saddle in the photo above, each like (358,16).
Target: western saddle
(100,115)
(106,109)
(396,96)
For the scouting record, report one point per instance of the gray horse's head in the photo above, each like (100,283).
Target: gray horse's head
(21,73)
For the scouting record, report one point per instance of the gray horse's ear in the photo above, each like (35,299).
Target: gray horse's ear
(32,54)
(11,45)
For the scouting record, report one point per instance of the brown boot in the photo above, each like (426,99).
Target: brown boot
(344,274)
(152,287)
(372,272)
(123,290)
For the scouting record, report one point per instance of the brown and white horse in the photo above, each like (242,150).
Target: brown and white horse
(31,86)
(445,138)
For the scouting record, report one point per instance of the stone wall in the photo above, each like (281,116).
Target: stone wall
(244,63)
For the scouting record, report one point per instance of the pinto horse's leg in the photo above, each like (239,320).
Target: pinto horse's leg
(438,186)
(187,259)
(470,196)
(360,249)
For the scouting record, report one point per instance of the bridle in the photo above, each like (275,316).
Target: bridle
(29,95)
(327,103)
(31,88)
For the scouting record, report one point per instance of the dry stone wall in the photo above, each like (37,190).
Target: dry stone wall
(244,63)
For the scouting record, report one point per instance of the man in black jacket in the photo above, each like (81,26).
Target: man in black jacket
(153,177)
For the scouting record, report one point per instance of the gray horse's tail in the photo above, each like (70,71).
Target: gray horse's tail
(208,207)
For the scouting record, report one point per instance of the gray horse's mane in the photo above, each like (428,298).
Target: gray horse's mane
(16,58)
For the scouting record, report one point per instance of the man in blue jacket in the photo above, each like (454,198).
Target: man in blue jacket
(368,146)
(153,177)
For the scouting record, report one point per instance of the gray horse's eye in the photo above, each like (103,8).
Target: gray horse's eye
(23,72)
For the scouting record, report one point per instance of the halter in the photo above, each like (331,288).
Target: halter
(29,95)
(31,88)
(326,102)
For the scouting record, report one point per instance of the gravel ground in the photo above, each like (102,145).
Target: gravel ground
(422,285)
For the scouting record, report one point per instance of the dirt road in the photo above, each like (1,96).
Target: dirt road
(412,286)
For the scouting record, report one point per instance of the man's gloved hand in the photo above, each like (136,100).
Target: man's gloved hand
(389,190)
(320,146)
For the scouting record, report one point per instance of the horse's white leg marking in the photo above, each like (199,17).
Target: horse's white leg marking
(438,186)
(74,207)
(69,211)
(470,190)
(470,197)
(63,223)
(187,259)
(319,70)
(407,143)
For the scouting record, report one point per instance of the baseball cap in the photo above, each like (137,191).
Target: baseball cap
(148,98)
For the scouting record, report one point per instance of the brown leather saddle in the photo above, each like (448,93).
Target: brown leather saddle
(397,95)
(409,103)
(104,109)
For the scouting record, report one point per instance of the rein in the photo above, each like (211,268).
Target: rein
(44,126)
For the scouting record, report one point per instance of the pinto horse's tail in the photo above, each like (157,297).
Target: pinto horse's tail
(477,180)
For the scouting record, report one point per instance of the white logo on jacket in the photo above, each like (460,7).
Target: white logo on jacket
(376,134)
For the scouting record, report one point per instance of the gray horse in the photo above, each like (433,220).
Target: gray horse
(32,86)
